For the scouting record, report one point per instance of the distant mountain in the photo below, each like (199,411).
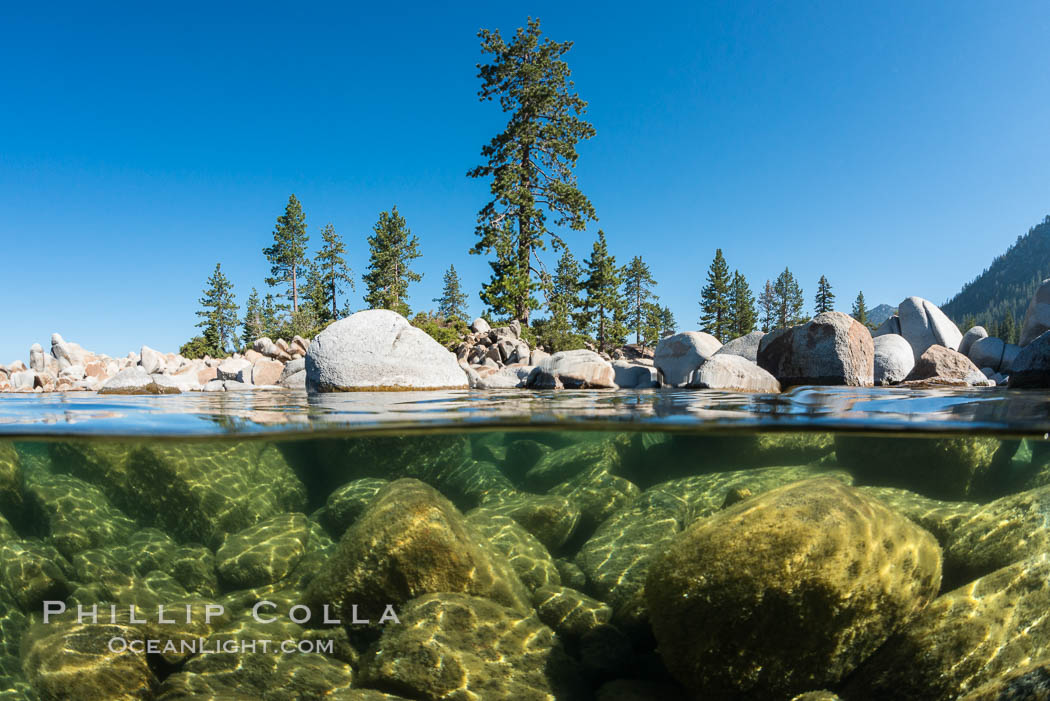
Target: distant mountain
(999,296)
(881,313)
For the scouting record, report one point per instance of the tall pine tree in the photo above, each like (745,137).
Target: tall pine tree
(253,328)
(218,313)
(603,305)
(668,325)
(767,302)
(825,300)
(393,248)
(716,316)
(860,309)
(638,284)
(789,300)
(335,273)
(288,252)
(561,328)
(531,162)
(452,302)
(742,306)
(510,281)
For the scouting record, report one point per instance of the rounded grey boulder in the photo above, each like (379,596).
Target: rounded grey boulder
(893,359)
(733,372)
(678,357)
(1037,316)
(379,350)
(923,325)
(970,337)
(832,349)
(744,346)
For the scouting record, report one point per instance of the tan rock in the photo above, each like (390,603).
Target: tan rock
(266,371)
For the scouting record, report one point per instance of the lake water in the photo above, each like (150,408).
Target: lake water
(882,544)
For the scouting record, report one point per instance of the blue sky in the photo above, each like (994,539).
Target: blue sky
(895,147)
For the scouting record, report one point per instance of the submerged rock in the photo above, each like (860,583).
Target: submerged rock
(941,468)
(74,661)
(264,553)
(32,573)
(525,553)
(570,612)
(832,349)
(77,515)
(379,350)
(742,604)
(412,541)
(678,357)
(552,519)
(348,502)
(458,646)
(964,638)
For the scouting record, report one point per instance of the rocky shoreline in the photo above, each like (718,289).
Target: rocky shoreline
(380,350)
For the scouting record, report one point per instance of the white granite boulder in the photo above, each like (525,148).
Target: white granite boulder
(152,361)
(893,359)
(733,372)
(379,350)
(234,369)
(678,357)
(744,346)
(575,369)
(923,325)
(634,376)
(970,337)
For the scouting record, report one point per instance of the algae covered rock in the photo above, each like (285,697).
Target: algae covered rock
(964,638)
(552,519)
(263,553)
(598,493)
(412,541)
(570,612)
(526,555)
(78,516)
(451,646)
(998,534)
(348,502)
(197,492)
(32,573)
(787,591)
(74,661)
(941,518)
(565,463)
(11,482)
(942,468)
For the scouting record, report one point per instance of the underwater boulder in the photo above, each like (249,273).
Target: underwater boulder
(570,612)
(787,591)
(456,645)
(32,573)
(831,349)
(348,502)
(941,468)
(379,349)
(997,534)
(598,493)
(563,464)
(964,638)
(411,541)
(11,482)
(677,357)
(551,519)
(940,518)
(76,515)
(74,661)
(264,553)
(528,557)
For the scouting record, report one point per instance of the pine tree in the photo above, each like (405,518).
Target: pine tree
(742,306)
(531,162)
(603,305)
(860,309)
(511,279)
(1008,329)
(668,325)
(560,329)
(716,318)
(392,248)
(652,324)
(335,273)
(452,302)
(638,284)
(288,252)
(314,312)
(789,300)
(271,317)
(218,313)
(825,298)
(253,319)
(767,301)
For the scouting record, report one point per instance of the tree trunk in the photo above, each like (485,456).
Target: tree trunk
(295,293)
(525,241)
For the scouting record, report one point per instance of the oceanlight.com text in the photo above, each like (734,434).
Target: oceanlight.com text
(202,646)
